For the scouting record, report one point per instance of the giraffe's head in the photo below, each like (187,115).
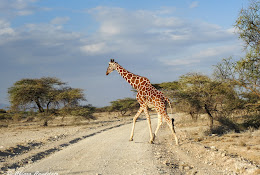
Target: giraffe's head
(112,66)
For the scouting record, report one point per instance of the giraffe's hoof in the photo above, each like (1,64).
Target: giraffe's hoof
(151,142)
(130,140)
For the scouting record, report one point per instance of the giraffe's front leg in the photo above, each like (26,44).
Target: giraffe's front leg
(134,121)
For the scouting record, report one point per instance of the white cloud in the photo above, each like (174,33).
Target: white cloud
(5,28)
(139,35)
(60,20)
(109,28)
(165,10)
(42,43)
(11,8)
(20,4)
(24,12)
(93,48)
(194,4)
(211,52)
(180,62)
(151,33)
(197,55)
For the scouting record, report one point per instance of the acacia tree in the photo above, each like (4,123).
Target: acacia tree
(43,93)
(245,72)
(196,93)
(69,97)
(124,105)
(248,26)
(245,81)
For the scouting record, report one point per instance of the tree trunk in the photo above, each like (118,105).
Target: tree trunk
(123,113)
(194,116)
(39,106)
(209,116)
(45,123)
(47,107)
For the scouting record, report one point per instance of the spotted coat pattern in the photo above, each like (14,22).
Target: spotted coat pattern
(147,96)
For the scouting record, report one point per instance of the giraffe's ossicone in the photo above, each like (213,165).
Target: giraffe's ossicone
(147,95)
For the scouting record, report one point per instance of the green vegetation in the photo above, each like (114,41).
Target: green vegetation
(45,93)
(124,105)
(195,94)
(45,97)
(245,72)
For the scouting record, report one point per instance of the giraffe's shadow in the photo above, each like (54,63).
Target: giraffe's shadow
(140,142)
(146,142)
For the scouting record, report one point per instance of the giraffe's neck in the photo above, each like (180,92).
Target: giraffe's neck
(134,80)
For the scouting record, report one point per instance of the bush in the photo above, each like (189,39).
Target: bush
(229,124)
(252,121)
(2,111)
(124,105)
(226,125)
(82,111)
(17,117)
(3,116)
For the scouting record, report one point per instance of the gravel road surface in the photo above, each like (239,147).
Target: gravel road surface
(109,152)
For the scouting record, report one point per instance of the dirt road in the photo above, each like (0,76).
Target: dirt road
(109,152)
(106,150)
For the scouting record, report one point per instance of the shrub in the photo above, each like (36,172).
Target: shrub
(17,117)
(82,111)
(252,121)
(2,116)
(2,111)
(229,124)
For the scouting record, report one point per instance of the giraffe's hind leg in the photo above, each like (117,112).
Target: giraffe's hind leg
(149,124)
(171,125)
(158,125)
(134,121)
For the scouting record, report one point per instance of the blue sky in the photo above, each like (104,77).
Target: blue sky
(74,40)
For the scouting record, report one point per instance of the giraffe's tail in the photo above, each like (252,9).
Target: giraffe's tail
(168,101)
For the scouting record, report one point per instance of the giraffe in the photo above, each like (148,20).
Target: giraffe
(147,95)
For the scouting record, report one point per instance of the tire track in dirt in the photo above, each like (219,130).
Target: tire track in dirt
(108,152)
(23,151)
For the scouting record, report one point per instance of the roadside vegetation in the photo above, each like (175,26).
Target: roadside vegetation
(44,99)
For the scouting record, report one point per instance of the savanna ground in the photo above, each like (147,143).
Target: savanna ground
(199,152)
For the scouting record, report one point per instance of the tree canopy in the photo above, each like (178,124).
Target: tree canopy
(197,93)
(248,25)
(124,105)
(244,73)
(43,93)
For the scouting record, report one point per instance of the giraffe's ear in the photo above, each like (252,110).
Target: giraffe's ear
(112,60)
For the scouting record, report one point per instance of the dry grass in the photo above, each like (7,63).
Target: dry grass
(245,144)
(242,144)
